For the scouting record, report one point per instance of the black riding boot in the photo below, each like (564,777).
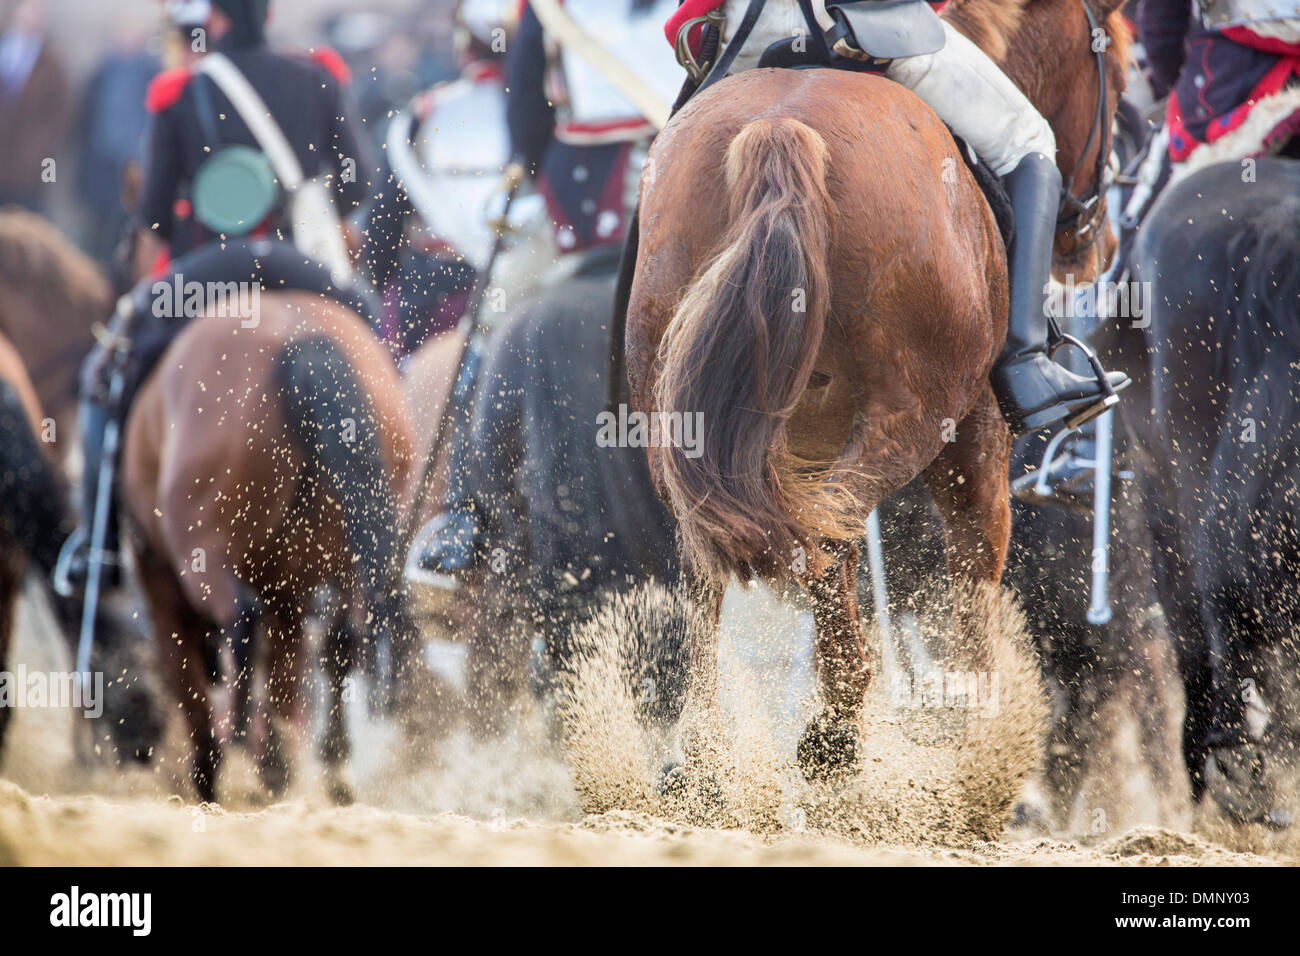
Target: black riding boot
(73,568)
(453,544)
(1032,390)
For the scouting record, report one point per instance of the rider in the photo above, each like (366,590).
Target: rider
(192,120)
(972,95)
(584,142)
(426,235)
(1232,72)
(1232,79)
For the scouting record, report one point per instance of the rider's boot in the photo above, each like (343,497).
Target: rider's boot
(1032,390)
(453,543)
(73,567)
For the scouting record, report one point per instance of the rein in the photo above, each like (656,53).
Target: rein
(1083,215)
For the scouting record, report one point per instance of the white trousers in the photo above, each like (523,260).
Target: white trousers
(981,104)
(960,83)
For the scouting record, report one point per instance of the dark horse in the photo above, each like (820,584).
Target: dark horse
(569,518)
(1216,411)
(34,520)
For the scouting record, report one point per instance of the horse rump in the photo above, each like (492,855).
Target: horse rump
(739,353)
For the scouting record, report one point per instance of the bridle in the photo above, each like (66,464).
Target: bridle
(1082,216)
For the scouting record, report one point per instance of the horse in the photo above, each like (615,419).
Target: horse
(34,520)
(570,520)
(834,324)
(261,464)
(51,295)
(1215,416)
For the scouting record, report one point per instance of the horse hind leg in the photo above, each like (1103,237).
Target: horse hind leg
(10,581)
(969,484)
(694,784)
(241,636)
(829,745)
(336,660)
(287,651)
(181,636)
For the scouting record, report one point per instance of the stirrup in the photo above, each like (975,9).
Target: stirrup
(1109,397)
(61,579)
(414,569)
(74,561)
(1039,486)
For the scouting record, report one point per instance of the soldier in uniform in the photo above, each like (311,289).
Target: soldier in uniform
(191,120)
(583,143)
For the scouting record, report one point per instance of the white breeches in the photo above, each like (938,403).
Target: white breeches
(974,97)
(960,83)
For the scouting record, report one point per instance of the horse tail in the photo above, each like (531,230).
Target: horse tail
(1266,308)
(332,419)
(33,501)
(738,354)
(1257,350)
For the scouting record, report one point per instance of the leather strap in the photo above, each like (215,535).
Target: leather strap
(252,110)
(724,62)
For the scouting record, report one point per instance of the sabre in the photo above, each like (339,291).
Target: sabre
(468,327)
(876,564)
(99,527)
(1099,610)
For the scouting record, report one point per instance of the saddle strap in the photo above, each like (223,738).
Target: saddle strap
(728,57)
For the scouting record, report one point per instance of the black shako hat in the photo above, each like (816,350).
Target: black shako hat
(248,20)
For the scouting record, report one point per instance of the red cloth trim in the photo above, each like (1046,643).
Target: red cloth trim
(1246,37)
(1182,146)
(166,88)
(329,58)
(608,126)
(689,11)
(160,263)
(482,71)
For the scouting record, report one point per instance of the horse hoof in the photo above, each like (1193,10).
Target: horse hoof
(1029,818)
(672,781)
(1234,777)
(340,792)
(828,748)
(273,770)
(1277,819)
(205,783)
(697,793)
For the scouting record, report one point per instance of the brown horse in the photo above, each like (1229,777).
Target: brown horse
(812,284)
(261,465)
(50,297)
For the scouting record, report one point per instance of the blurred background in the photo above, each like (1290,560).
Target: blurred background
(74,73)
